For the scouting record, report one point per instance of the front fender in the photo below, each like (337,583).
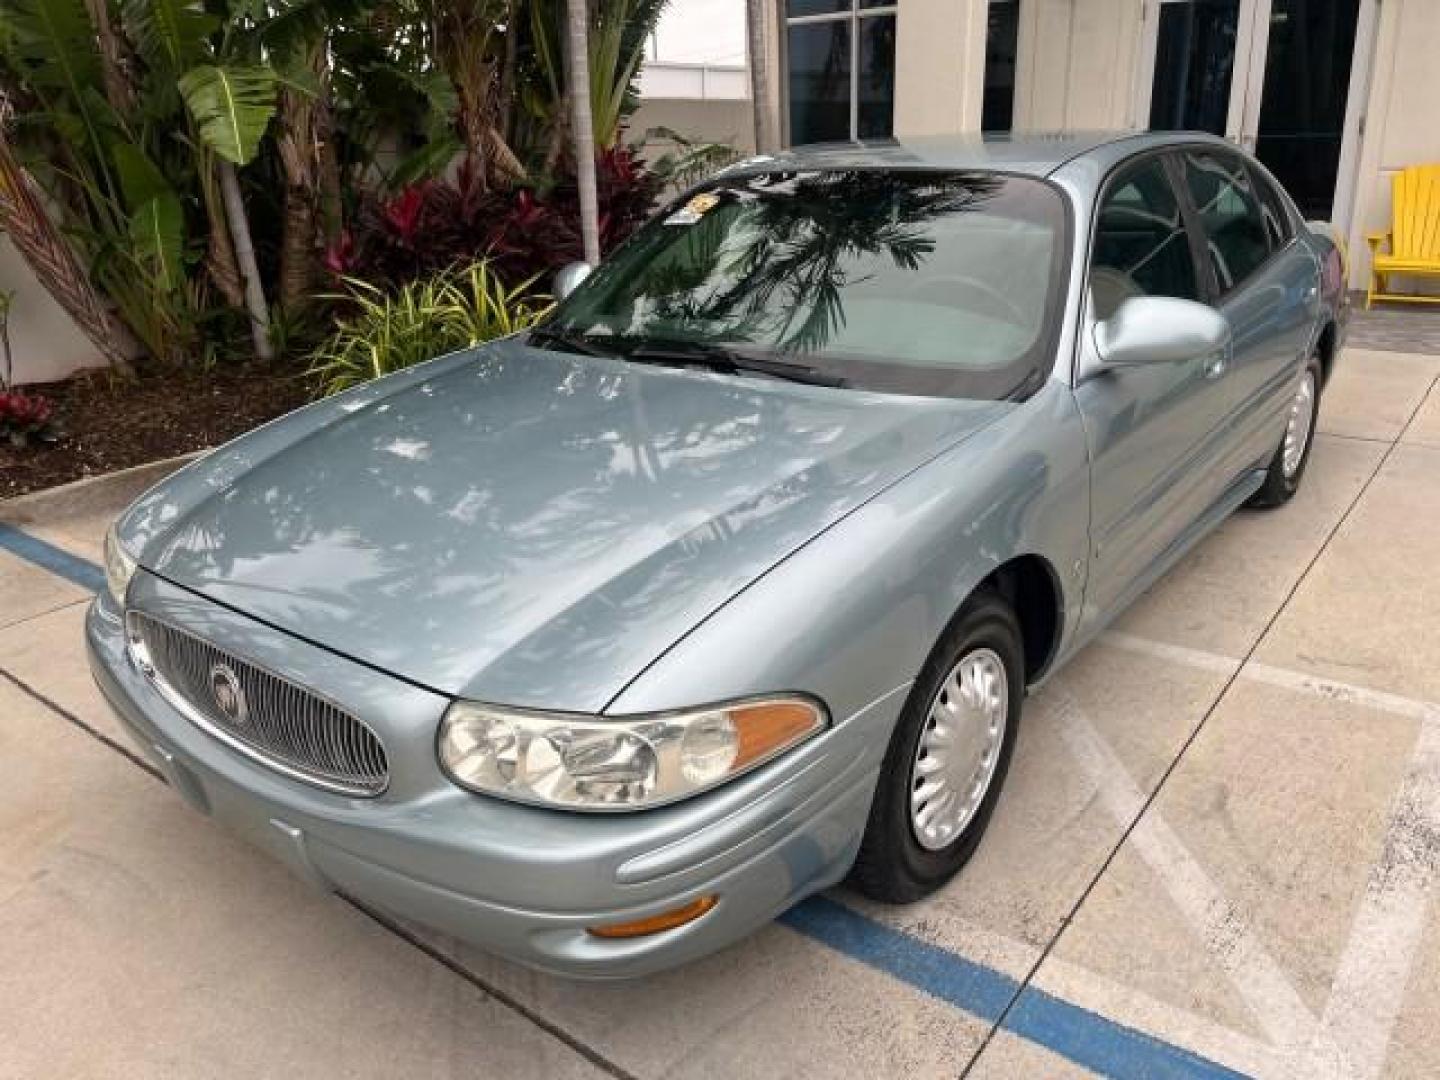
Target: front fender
(852,616)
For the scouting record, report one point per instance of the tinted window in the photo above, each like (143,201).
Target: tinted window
(875,87)
(1220,186)
(920,282)
(840,65)
(1279,227)
(1002,44)
(819,60)
(1141,248)
(1194,65)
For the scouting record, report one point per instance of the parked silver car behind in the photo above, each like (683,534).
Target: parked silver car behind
(602,645)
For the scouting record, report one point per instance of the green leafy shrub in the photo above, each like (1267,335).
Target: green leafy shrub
(386,332)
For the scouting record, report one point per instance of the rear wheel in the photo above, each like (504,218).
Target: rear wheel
(1287,467)
(948,757)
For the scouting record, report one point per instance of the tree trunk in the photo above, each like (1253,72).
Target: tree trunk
(220,260)
(245,256)
(113,58)
(299,147)
(332,212)
(297,248)
(578,77)
(766,140)
(507,71)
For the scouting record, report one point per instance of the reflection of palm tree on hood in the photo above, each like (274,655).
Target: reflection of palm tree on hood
(808,228)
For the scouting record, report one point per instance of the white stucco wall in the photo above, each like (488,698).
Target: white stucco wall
(1076,64)
(1401,127)
(939,45)
(722,121)
(45,343)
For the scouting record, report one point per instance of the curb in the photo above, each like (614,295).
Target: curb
(35,503)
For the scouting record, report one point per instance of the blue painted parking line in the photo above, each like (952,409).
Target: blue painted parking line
(1072,1032)
(57,560)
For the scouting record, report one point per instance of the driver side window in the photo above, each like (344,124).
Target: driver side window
(1141,248)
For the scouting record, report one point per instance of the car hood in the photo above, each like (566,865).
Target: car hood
(533,528)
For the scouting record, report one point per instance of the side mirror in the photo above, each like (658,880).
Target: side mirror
(568,278)
(1158,330)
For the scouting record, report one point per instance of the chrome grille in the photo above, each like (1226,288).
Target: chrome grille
(257,712)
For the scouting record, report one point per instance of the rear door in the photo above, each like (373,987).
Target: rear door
(1149,427)
(1266,284)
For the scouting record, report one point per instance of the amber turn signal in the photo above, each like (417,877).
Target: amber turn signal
(667,920)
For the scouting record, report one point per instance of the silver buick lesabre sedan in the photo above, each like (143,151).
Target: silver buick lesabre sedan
(602,645)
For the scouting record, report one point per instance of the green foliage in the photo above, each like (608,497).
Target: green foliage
(618,30)
(52,46)
(170,35)
(617,35)
(232,106)
(428,318)
(336,102)
(157,233)
(689,162)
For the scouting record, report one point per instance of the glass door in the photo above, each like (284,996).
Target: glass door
(1272,75)
(1194,85)
(1298,129)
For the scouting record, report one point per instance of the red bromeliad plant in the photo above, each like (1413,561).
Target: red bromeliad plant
(24,417)
(525,232)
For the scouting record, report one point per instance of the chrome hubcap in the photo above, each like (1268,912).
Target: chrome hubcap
(959,749)
(1297,431)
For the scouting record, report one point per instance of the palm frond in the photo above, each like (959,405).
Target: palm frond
(170,34)
(157,236)
(232,107)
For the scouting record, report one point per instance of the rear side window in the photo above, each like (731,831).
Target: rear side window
(1229,210)
(1141,248)
(1279,226)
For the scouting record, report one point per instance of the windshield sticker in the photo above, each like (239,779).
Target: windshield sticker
(693,210)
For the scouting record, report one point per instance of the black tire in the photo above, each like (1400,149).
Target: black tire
(892,865)
(1278,488)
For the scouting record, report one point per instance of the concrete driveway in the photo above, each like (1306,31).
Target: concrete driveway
(1217,854)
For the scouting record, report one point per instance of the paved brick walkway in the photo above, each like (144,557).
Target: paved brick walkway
(1395,328)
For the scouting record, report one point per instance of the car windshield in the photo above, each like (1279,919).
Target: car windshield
(921,282)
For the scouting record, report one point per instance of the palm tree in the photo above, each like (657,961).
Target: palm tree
(765,140)
(577,20)
(49,256)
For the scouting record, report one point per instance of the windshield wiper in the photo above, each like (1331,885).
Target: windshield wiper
(567,340)
(725,360)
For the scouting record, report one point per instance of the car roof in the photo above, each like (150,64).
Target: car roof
(1033,153)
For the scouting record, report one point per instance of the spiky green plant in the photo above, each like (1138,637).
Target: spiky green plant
(386,332)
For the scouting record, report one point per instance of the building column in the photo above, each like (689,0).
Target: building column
(939,66)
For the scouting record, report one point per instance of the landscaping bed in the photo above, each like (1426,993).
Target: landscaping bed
(104,422)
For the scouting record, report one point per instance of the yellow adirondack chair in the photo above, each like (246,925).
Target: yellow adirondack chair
(1413,241)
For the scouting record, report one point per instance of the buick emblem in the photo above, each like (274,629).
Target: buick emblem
(229,697)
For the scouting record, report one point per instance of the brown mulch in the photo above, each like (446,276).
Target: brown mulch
(106,422)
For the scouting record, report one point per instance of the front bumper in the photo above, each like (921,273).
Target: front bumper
(521,882)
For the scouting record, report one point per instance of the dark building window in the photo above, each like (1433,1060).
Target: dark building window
(1307,83)
(840,69)
(1194,63)
(1002,38)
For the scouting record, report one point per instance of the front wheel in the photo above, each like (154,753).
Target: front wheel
(1287,467)
(947,758)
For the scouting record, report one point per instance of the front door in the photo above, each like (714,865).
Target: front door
(1149,427)
(1272,75)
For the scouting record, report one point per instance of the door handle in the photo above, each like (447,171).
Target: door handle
(1217,363)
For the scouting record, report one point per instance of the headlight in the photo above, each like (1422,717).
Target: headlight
(119,567)
(626,763)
